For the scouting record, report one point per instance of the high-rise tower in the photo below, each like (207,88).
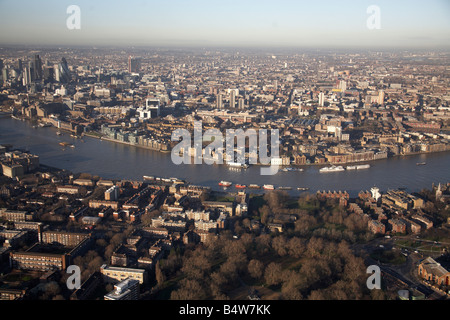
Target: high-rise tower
(134,64)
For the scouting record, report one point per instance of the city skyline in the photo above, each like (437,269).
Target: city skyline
(404,24)
(224,151)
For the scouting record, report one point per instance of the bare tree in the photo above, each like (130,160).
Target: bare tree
(296,247)
(189,290)
(159,274)
(272,274)
(279,244)
(255,268)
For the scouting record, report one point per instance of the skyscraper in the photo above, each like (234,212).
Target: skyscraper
(232,99)
(47,73)
(64,72)
(381,97)
(134,64)
(241,102)
(321,99)
(27,76)
(56,72)
(219,101)
(37,67)
(18,64)
(4,74)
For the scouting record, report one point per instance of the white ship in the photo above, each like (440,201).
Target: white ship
(237,165)
(351,168)
(332,169)
(291,169)
(268,187)
(363,166)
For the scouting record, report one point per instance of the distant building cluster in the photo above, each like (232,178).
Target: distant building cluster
(354,112)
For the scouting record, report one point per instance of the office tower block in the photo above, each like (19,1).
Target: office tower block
(27,76)
(18,65)
(37,67)
(56,73)
(47,73)
(64,72)
(134,64)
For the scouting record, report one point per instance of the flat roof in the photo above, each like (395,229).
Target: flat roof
(105,267)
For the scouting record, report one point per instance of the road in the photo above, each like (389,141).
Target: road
(405,273)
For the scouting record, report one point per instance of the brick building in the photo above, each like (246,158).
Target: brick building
(430,270)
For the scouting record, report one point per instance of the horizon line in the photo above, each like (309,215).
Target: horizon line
(241,47)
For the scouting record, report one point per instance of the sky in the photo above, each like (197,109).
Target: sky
(229,23)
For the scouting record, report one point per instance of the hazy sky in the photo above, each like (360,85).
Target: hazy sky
(292,23)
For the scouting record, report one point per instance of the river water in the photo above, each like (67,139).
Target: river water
(112,160)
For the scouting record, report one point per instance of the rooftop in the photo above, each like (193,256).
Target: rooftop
(431,266)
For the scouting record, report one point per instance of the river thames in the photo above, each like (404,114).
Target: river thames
(112,160)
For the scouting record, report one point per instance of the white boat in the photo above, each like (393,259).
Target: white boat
(291,169)
(351,168)
(237,165)
(268,187)
(332,169)
(363,166)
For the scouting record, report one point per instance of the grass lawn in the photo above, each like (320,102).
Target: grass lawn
(431,248)
(408,243)
(225,199)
